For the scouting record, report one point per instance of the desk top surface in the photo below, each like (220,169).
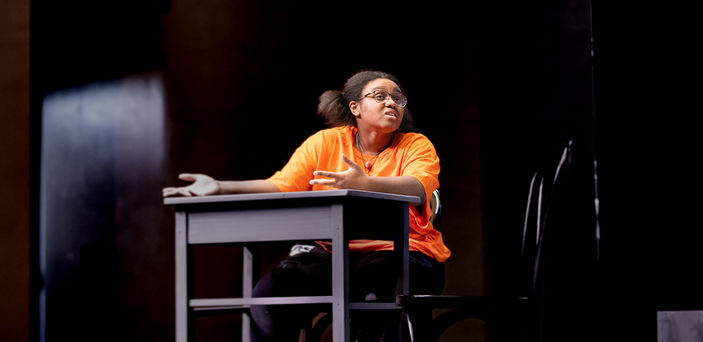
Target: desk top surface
(289,195)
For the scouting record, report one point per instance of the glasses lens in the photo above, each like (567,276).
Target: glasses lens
(400,99)
(380,95)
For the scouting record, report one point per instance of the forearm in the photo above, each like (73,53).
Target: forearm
(246,186)
(401,185)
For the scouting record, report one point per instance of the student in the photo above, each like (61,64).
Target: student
(370,145)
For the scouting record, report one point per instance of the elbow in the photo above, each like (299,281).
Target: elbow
(420,192)
(423,198)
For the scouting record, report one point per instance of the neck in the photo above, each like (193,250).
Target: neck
(373,143)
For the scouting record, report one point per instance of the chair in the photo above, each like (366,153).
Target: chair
(521,313)
(436,208)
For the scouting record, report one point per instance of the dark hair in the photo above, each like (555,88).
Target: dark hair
(334,104)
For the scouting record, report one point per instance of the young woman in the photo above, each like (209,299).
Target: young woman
(370,145)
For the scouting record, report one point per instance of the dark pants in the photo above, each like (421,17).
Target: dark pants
(373,276)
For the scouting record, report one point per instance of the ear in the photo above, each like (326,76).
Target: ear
(354,107)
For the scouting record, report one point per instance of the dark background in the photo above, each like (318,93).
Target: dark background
(499,87)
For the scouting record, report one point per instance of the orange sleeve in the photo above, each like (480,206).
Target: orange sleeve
(422,163)
(297,173)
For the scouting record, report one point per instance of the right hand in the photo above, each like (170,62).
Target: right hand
(202,185)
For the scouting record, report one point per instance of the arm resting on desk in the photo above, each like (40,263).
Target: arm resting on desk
(204,185)
(246,186)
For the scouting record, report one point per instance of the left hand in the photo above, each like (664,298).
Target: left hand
(353,178)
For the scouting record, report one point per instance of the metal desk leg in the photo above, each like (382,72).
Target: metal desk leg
(340,274)
(181,277)
(247,281)
(402,248)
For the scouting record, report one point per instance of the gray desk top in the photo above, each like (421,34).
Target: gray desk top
(288,195)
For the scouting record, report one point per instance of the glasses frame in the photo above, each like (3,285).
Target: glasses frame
(399,98)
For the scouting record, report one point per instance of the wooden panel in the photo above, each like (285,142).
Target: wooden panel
(14,170)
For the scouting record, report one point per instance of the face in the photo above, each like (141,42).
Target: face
(371,112)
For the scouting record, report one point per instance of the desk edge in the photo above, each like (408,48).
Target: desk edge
(288,195)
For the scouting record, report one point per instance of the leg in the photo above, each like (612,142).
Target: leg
(305,273)
(374,279)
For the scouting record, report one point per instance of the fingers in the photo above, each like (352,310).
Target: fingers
(331,178)
(187,177)
(350,162)
(326,174)
(330,182)
(185,192)
(338,175)
(179,191)
(172,191)
(346,179)
(193,189)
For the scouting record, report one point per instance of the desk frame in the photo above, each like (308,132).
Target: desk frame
(336,215)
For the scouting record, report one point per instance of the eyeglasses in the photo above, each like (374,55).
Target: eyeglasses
(382,96)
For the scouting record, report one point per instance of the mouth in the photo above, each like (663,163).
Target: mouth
(391,114)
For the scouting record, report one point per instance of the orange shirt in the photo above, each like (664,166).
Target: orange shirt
(410,154)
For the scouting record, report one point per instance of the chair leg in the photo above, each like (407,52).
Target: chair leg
(409,325)
(417,326)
